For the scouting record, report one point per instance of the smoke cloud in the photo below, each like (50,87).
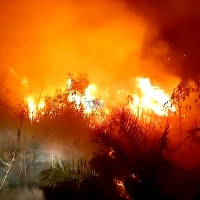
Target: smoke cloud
(111,41)
(177,24)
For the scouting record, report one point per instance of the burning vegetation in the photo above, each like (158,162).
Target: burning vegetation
(139,141)
(123,124)
(84,96)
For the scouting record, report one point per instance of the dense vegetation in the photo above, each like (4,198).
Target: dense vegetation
(130,158)
(130,164)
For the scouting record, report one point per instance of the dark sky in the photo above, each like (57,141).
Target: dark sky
(178,23)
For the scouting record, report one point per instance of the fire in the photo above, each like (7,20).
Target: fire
(87,100)
(150,99)
(34,106)
(146,98)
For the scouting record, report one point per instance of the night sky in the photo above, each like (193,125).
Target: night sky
(178,24)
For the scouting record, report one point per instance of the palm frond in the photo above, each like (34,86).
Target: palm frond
(67,171)
(123,133)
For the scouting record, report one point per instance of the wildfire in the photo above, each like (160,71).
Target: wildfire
(34,107)
(146,98)
(87,99)
(150,99)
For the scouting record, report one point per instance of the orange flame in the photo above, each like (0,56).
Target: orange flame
(148,98)
(151,99)
(34,106)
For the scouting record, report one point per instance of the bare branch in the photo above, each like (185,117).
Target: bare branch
(4,162)
(11,164)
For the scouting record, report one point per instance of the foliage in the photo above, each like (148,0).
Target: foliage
(78,84)
(131,155)
(130,164)
(186,95)
(68,171)
(73,180)
(59,104)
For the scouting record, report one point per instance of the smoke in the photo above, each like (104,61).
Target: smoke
(111,41)
(177,24)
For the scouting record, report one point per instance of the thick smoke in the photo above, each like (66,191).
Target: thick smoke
(111,41)
(177,24)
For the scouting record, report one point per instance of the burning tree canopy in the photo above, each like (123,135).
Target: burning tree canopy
(83,96)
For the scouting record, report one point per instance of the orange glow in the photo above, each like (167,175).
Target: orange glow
(86,100)
(103,39)
(34,106)
(146,99)
(150,99)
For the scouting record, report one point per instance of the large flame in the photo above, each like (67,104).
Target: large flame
(34,106)
(147,98)
(150,99)
(87,99)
